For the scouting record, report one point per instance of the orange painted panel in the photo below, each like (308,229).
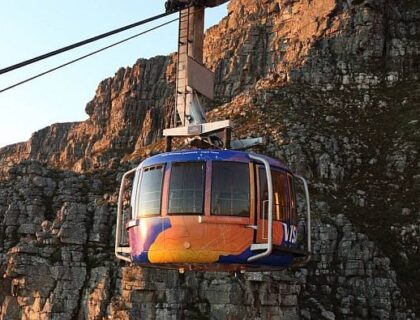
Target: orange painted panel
(190,241)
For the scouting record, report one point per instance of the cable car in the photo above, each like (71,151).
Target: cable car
(212,210)
(208,209)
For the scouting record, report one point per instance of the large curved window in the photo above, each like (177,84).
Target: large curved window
(186,188)
(230,189)
(150,192)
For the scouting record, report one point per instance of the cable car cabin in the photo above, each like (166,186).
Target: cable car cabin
(218,210)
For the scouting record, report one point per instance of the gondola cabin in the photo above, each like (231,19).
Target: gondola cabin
(211,210)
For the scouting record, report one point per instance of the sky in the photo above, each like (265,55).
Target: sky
(29,28)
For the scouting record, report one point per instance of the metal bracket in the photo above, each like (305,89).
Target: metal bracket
(205,128)
(244,144)
(251,226)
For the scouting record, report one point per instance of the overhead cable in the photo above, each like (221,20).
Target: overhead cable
(85,56)
(82,43)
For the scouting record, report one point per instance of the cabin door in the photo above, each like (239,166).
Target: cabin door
(280,205)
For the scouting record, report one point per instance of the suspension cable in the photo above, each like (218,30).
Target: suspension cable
(87,55)
(82,43)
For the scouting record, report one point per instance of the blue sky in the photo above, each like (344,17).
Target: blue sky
(29,28)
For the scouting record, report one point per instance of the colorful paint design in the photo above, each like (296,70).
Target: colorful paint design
(144,235)
(204,239)
(184,240)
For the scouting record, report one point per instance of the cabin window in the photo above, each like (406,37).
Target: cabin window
(150,191)
(230,189)
(293,203)
(280,194)
(186,188)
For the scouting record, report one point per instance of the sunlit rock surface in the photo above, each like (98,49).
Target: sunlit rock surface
(333,86)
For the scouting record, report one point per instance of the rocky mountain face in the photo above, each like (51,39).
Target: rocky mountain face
(334,87)
(127,112)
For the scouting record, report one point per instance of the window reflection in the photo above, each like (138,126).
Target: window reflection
(280,194)
(230,189)
(293,205)
(150,192)
(186,188)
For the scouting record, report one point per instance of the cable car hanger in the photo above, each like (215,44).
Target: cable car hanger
(213,208)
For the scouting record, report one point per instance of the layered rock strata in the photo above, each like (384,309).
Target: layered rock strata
(332,84)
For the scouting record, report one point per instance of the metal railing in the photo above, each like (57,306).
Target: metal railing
(122,252)
(268,247)
(308,212)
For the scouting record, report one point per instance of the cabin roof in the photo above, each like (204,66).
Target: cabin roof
(207,155)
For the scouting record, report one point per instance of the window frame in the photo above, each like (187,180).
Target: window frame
(138,192)
(284,215)
(250,209)
(293,207)
(204,184)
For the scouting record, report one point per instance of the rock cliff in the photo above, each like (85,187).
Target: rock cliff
(334,87)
